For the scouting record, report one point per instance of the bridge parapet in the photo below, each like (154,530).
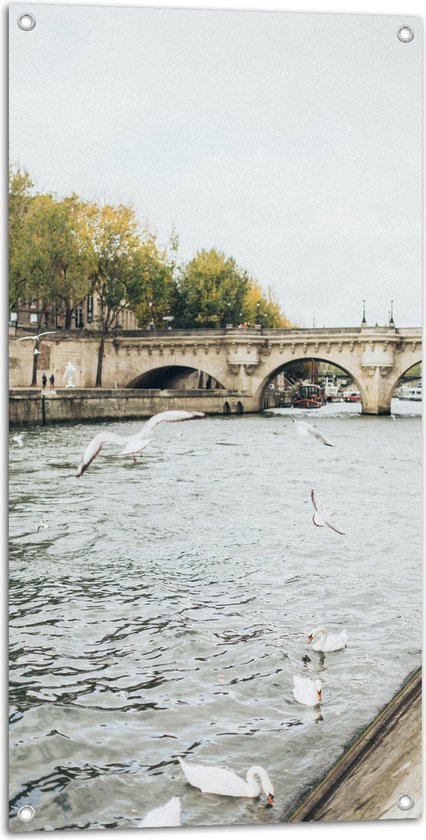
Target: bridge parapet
(242,360)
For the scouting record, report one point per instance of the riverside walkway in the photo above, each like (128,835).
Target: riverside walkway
(380,766)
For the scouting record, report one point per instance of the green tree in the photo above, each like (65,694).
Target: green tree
(63,255)
(129,268)
(210,291)
(20,198)
(51,253)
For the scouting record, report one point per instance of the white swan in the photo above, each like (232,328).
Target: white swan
(322,640)
(135,443)
(306,429)
(322,516)
(168,814)
(225,783)
(306,691)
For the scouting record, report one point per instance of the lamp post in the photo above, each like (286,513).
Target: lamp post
(391,321)
(364,320)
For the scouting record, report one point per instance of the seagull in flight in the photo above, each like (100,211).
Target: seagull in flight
(36,339)
(322,517)
(42,525)
(305,429)
(135,443)
(18,440)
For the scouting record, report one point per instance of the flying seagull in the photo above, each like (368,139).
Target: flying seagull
(322,517)
(306,429)
(36,338)
(18,439)
(135,443)
(42,525)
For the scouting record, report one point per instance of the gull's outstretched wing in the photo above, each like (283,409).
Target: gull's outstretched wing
(94,448)
(316,501)
(134,444)
(35,337)
(315,432)
(168,417)
(328,519)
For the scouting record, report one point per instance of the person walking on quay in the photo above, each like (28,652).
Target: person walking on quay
(52,381)
(44,381)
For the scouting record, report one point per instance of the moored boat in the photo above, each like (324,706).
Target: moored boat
(309,396)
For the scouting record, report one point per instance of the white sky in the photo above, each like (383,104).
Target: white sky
(290,141)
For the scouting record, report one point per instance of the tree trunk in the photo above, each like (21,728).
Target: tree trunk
(68,315)
(100,361)
(35,362)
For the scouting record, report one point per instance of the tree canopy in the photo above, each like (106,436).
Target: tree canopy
(62,249)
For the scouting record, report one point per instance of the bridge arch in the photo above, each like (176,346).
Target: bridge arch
(274,371)
(400,371)
(175,377)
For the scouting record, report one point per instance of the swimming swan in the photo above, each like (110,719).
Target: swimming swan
(306,691)
(168,814)
(224,783)
(324,641)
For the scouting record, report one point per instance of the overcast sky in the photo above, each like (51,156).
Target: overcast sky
(290,141)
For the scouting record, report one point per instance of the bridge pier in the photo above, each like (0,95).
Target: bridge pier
(376,393)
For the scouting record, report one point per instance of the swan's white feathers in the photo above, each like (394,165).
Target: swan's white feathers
(323,641)
(305,691)
(223,782)
(212,779)
(168,814)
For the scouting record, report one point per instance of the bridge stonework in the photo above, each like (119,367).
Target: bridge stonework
(242,361)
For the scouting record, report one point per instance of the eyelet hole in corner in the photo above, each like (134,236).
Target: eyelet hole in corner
(405,34)
(26,22)
(26,814)
(405,802)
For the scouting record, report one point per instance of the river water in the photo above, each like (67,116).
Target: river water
(165,609)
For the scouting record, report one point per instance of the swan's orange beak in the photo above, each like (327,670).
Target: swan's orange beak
(270,799)
(319,695)
(310,637)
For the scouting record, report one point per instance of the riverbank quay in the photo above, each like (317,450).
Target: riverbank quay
(382,764)
(33,405)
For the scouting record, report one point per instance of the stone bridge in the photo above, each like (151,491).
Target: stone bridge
(242,361)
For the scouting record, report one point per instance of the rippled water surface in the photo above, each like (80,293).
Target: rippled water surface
(165,609)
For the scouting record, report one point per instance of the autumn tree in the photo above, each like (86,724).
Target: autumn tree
(51,253)
(263,309)
(129,268)
(210,291)
(20,198)
(62,254)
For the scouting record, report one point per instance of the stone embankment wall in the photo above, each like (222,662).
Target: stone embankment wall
(31,405)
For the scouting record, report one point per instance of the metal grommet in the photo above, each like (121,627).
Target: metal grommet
(26,21)
(405,34)
(405,802)
(26,814)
